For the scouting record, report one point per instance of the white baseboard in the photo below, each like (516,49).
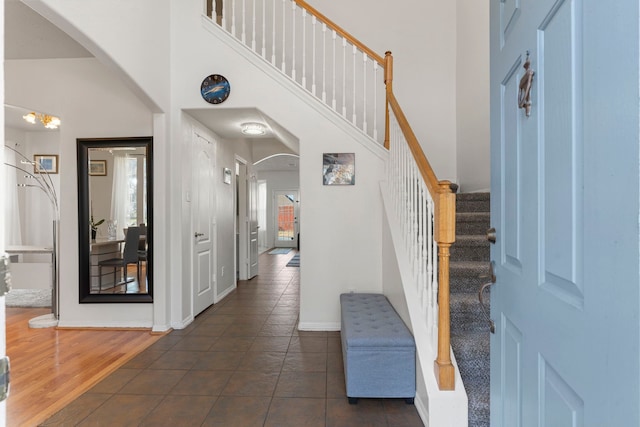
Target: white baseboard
(319,326)
(183,323)
(226,292)
(104,325)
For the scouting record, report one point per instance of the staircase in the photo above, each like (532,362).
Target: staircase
(469,329)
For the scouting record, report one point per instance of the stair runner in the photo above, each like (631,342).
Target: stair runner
(469,329)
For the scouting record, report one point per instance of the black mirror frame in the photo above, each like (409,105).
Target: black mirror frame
(84,277)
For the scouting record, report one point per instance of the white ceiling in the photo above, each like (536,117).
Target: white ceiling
(29,36)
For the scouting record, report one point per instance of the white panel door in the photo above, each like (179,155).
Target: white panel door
(564,202)
(203,224)
(252,183)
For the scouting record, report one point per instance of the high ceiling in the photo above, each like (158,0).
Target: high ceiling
(29,36)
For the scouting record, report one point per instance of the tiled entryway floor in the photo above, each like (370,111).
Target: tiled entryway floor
(241,363)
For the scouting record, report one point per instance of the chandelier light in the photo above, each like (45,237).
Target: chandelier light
(49,122)
(253,128)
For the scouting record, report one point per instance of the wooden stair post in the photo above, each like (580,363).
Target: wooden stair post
(445,235)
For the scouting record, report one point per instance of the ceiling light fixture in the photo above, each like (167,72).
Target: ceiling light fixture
(50,122)
(253,128)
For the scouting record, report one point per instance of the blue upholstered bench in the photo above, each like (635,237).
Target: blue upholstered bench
(378,350)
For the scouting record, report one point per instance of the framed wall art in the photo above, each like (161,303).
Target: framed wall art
(45,163)
(97,168)
(338,168)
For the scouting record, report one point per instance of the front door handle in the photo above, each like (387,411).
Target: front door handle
(485,312)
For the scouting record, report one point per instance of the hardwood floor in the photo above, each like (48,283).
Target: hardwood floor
(51,367)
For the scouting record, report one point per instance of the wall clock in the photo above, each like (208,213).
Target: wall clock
(215,89)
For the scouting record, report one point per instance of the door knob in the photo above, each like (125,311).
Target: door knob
(198,235)
(491,235)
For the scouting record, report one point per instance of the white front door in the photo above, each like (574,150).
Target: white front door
(203,224)
(286,218)
(564,202)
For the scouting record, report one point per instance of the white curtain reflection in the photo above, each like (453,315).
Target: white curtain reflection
(13,235)
(119,193)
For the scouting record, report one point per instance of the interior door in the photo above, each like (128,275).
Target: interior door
(203,224)
(565,303)
(286,218)
(252,183)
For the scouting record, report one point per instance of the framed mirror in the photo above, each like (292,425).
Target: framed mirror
(115,212)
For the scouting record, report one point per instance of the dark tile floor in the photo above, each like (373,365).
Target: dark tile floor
(241,363)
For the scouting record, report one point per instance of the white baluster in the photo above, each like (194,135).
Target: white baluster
(284,38)
(304,48)
(224,17)
(324,62)
(244,22)
(264,29)
(333,103)
(353,68)
(364,92)
(273,35)
(313,55)
(344,77)
(253,30)
(233,17)
(293,39)
(375,99)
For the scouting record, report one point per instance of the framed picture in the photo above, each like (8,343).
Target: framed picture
(339,168)
(226,175)
(45,163)
(97,168)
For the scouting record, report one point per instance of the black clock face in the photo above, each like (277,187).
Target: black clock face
(215,89)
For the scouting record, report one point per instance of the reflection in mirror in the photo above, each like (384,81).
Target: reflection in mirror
(115,219)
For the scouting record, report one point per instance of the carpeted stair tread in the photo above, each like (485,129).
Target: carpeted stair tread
(473,202)
(470,256)
(472,217)
(473,196)
(468,223)
(470,248)
(467,276)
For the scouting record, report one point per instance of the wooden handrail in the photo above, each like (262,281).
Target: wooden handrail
(416,150)
(303,4)
(444,226)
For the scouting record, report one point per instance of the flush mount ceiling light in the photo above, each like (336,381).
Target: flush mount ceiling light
(50,122)
(253,128)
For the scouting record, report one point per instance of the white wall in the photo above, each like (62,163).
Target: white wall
(473,96)
(341,224)
(106,33)
(34,209)
(441,75)
(91,103)
(421,35)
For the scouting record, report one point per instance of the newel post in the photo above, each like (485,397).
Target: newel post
(445,236)
(388,81)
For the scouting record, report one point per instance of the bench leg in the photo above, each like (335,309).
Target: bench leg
(353,400)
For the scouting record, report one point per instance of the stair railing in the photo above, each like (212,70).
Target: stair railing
(426,209)
(324,60)
(314,52)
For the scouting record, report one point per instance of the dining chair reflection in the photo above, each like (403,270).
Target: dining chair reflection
(129,256)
